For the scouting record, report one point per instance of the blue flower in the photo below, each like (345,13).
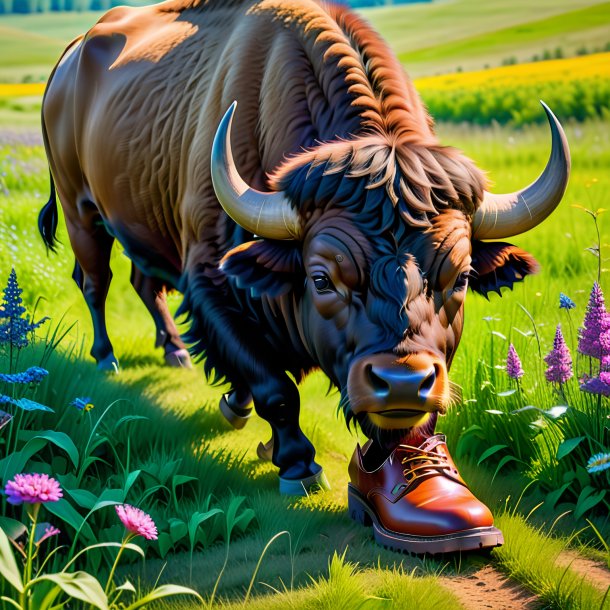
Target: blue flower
(599,462)
(565,302)
(32,375)
(14,327)
(82,404)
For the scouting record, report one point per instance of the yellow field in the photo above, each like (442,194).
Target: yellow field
(21,89)
(556,70)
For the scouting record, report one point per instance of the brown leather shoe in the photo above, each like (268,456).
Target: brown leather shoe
(417,502)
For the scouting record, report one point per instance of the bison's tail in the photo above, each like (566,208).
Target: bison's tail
(47,220)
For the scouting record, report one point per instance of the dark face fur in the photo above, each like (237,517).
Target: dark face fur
(383,318)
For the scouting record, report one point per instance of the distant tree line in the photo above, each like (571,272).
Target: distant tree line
(44,6)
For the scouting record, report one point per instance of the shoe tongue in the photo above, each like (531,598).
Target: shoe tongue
(432,442)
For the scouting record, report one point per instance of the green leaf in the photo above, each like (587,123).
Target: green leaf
(196,520)
(505,460)
(177,529)
(586,503)
(68,514)
(164,591)
(31,405)
(553,497)
(129,481)
(83,497)
(63,441)
(8,566)
(79,585)
(16,461)
(126,419)
(165,544)
(12,528)
(490,452)
(568,445)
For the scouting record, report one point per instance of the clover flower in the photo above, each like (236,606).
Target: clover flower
(565,302)
(513,364)
(32,375)
(32,489)
(137,521)
(599,462)
(595,324)
(82,404)
(559,360)
(16,328)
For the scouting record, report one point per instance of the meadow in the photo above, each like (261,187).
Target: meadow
(164,445)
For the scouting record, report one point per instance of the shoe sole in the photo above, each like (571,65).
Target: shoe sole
(474,539)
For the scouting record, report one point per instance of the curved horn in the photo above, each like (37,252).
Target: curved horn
(266,214)
(501,216)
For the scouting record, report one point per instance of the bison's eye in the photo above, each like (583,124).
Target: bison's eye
(462,281)
(322,283)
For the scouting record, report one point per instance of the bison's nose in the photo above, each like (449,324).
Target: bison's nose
(383,383)
(399,380)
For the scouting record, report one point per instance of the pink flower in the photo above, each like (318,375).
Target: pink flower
(32,489)
(559,360)
(137,521)
(48,532)
(595,325)
(513,365)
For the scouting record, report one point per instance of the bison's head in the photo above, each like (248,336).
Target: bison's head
(377,239)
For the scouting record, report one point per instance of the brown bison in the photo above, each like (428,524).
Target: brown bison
(317,223)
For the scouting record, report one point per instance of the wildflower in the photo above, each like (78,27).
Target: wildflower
(48,532)
(32,489)
(565,302)
(137,521)
(16,328)
(82,404)
(599,462)
(559,360)
(32,375)
(595,324)
(513,363)
(596,385)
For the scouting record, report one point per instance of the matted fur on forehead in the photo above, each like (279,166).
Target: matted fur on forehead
(368,173)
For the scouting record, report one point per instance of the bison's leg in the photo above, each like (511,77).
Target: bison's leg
(153,294)
(92,246)
(237,348)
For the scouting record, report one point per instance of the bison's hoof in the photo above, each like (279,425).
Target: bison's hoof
(265,450)
(238,417)
(304,487)
(179,359)
(109,364)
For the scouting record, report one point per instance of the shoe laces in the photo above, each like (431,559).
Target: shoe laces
(419,463)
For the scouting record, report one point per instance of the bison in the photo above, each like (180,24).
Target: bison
(271,160)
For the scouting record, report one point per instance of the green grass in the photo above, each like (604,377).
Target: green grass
(437,37)
(568,31)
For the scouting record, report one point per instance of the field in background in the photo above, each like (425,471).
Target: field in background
(319,525)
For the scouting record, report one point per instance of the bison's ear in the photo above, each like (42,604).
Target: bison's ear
(498,264)
(265,267)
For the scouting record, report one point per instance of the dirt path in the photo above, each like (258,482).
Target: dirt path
(486,588)
(595,572)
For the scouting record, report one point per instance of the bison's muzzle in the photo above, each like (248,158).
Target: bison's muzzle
(398,392)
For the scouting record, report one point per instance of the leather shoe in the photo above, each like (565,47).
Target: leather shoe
(417,502)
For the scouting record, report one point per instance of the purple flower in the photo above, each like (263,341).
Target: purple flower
(137,521)
(32,489)
(565,302)
(559,360)
(595,324)
(513,364)
(599,462)
(596,385)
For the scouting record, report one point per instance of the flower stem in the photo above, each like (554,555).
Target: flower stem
(27,575)
(116,562)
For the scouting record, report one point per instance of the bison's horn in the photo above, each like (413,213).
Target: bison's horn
(501,216)
(264,214)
